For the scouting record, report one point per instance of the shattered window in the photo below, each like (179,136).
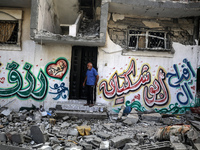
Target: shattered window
(8,32)
(152,40)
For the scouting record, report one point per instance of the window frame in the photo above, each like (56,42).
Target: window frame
(146,35)
(14,15)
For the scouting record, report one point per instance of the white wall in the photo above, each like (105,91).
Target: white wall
(110,61)
(39,56)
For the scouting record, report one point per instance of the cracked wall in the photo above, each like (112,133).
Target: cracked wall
(180,30)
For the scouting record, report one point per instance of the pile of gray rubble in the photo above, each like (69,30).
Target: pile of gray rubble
(48,130)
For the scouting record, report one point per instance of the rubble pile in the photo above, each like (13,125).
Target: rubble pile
(44,130)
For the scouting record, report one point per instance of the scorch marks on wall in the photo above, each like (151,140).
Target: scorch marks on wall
(138,90)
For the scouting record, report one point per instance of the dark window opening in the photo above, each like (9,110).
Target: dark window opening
(151,40)
(88,8)
(8,32)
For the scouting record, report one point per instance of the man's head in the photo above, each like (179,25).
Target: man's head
(89,65)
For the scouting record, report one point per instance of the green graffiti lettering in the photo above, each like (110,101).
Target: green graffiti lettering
(30,91)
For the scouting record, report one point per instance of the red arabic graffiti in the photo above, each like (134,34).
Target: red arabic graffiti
(2,80)
(127,86)
(158,91)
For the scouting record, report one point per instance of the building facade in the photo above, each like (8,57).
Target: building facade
(146,53)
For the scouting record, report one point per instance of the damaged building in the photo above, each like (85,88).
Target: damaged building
(146,53)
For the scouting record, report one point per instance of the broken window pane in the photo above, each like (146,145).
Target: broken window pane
(148,40)
(156,40)
(8,32)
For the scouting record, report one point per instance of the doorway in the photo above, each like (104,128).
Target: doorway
(80,57)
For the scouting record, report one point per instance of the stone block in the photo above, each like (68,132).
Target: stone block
(152,117)
(17,138)
(65,124)
(179,146)
(45,147)
(86,146)
(103,135)
(120,141)
(130,146)
(3,137)
(74,148)
(105,145)
(72,132)
(197,146)
(37,135)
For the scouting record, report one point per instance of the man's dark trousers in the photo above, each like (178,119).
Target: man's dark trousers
(90,94)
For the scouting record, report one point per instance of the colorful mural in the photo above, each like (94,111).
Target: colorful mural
(182,81)
(57,69)
(60,91)
(128,85)
(18,89)
(158,91)
(155,93)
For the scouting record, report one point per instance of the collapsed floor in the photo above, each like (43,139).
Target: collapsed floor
(48,130)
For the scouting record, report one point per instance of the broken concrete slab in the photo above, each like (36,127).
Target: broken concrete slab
(152,117)
(6,112)
(45,147)
(103,135)
(85,115)
(72,132)
(120,141)
(37,135)
(3,137)
(130,146)
(179,146)
(105,145)
(74,148)
(17,138)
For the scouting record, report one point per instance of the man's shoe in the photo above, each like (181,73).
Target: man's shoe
(86,104)
(91,105)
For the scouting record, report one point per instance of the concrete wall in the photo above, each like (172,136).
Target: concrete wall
(42,75)
(166,84)
(67,10)
(180,30)
(48,17)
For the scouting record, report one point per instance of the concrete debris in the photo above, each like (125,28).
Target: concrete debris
(6,112)
(132,118)
(120,141)
(152,117)
(29,129)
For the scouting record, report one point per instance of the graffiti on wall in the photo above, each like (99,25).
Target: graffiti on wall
(30,91)
(59,91)
(57,69)
(182,81)
(2,80)
(155,94)
(127,86)
(158,91)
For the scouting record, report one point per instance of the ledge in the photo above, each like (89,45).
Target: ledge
(171,9)
(148,53)
(10,47)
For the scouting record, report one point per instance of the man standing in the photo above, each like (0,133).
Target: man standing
(91,80)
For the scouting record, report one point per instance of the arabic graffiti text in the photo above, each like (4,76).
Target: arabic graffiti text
(30,91)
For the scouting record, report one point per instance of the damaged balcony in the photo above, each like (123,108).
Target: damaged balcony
(75,22)
(156,8)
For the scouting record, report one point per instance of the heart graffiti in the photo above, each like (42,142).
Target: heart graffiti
(2,80)
(57,69)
